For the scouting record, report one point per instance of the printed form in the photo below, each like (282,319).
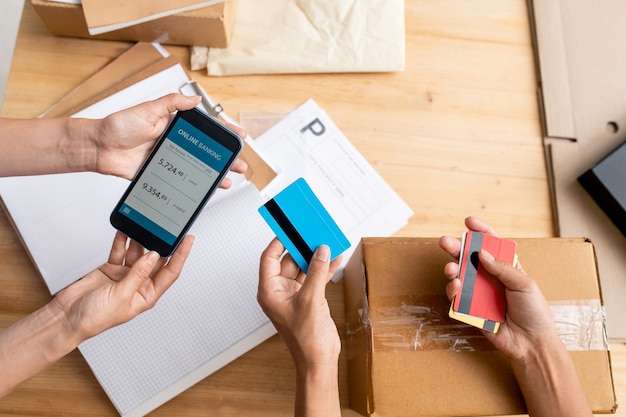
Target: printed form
(308,144)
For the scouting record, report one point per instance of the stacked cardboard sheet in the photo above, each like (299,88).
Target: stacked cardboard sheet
(180,22)
(581,64)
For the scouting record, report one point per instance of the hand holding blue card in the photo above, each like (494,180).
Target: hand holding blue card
(302,224)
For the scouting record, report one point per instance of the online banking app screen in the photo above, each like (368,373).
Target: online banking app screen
(176,180)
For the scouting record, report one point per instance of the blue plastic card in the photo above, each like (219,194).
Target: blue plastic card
(302,224)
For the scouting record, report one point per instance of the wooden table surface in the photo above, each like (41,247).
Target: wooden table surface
(456,133)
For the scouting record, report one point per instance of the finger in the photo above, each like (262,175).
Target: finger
(452,288)
(451,270)
(176,101)
(157,267)
(290,269)
(511,277)
(300,276)
(138,273)
(269,265)
(318,274)
(451,245)
(335,264)
(226,183)
(237,129)
(474,223)
(239,166)
(134,252)
(118,249)
(166,276)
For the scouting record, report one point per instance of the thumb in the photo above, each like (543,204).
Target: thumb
(180,102)
(318,274)
(510,277)
(139,272)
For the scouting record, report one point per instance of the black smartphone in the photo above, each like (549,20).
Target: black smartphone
(173,185)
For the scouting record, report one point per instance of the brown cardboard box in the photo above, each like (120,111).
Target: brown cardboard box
(209,26)
(582,97)
(407,358)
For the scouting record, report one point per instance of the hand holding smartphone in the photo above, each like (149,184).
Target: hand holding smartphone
(169,191)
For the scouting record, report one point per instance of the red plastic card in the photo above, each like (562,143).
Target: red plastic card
(481,301)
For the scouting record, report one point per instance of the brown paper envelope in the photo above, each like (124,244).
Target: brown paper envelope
(127,82)
(106,15)
(135,64)
(259,173)
(138,57)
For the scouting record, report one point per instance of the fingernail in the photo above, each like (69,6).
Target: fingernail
(323,253)
(153,257)
(487,255)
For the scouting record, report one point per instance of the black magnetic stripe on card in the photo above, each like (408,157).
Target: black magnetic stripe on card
(279,215)
(471,270)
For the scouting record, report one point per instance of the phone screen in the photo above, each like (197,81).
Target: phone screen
(176,181)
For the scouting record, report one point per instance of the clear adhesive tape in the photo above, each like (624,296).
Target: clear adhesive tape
(402,326)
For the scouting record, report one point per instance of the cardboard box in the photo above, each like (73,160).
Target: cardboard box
(406,357)
(582,96)
(209,26)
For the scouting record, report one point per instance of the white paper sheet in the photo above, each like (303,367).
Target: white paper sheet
(308,144)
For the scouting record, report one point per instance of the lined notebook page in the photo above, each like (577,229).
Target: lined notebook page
(206,319)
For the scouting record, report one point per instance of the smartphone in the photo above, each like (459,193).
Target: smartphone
(173,185)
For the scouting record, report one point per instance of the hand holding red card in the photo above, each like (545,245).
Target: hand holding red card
(481,301)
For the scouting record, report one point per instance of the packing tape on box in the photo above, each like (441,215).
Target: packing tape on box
(418,327)
(406,326)
(580,324)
